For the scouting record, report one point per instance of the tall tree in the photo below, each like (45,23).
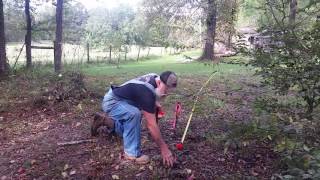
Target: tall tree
(3,58)
(208,50)
(28,34)
(293,11)
(58,41)
(226,20)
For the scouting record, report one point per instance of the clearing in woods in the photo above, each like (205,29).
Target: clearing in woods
(40,110)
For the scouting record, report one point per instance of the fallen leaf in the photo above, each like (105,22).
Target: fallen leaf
(64,174)
(66,167)
(115,177)
(189,171)
(79,106)
(21,170)
(12,161)
(253,173)
(139,174)
(73,172)
(142,168)
(33,162)
(78,124)
(191,177)
(151,168)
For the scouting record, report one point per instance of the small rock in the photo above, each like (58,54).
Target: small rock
(189,171)
(142,168)
(78,124)
(12,161)
(117,167)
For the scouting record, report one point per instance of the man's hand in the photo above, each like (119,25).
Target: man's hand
(158,105)
(154,130)
(167,156)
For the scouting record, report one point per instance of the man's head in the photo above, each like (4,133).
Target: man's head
(167,80)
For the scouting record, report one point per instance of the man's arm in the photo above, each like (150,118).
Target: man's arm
(154,130)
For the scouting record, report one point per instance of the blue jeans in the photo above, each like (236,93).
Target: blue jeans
(127,121)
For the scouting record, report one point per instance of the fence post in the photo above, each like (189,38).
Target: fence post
(110,53)
(148,51)
(125,53)
(138,54)
(88,52)
(118,64)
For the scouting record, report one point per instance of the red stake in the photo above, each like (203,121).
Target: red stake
(177,113)
(178,110)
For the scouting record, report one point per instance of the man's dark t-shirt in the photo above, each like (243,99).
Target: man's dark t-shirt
(138,95)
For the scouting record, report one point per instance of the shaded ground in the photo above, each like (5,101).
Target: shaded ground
(30,130)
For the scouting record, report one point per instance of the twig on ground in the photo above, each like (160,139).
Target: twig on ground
(76,142)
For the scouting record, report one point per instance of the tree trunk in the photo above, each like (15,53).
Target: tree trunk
(293,12)
(229,40)
(3,57)
(208,51)
(58,41)
(28,34)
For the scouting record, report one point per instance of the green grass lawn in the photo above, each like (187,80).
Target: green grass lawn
(176,63)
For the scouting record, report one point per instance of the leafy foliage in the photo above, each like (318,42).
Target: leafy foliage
(295,65)
(293,138)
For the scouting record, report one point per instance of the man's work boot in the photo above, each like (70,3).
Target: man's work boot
(143,159)
(101,119)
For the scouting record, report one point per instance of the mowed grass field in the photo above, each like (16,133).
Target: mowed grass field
(77,53)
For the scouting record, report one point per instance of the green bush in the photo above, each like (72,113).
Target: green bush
(294,65)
